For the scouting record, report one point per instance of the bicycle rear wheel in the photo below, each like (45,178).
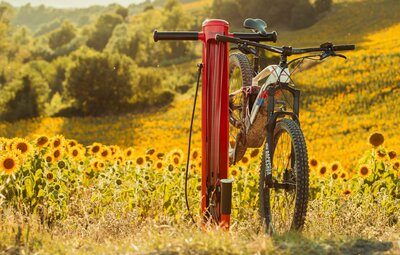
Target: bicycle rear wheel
(283,203)
(240,76)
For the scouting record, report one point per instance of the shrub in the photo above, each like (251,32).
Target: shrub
(99,83)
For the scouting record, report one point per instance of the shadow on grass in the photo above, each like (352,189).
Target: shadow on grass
(293,243)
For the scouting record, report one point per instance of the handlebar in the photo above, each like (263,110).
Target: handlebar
(287,51)
(194,36)
(186,35)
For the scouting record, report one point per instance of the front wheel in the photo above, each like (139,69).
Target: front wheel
(284,198)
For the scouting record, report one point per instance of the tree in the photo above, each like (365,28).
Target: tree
(99,83)
(103,30)
(25,96)
(62,35)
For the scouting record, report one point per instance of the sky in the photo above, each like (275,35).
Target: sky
(71,3)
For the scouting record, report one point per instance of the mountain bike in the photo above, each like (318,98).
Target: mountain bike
(269,114)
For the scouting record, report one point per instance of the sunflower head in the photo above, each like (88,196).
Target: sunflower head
(140,161)
(245,160)
(364,171)
(392,154)
(177,153)
(57,154)
(334,175)
(115,149)
(23,146)
(313,163)
(235,172)
(160,155)
(128,153)
(95,148)
(347,192)
(49,158)
(195,154)
(343,175)
(50,176)
(381,153)
(376,139)
(254,153)
(97,165)
(175,160)
(57,141)
(105,153)
(159,165)
(396,165)
(9,163)
(335,166)
(150,151)
(323,170)
(42,141)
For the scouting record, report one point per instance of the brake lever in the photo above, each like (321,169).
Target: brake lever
(340,56)
(246,50)
(331,53)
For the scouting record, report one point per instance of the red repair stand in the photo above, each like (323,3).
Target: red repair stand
(215,123)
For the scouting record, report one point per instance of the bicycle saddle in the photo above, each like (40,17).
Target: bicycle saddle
(257,25)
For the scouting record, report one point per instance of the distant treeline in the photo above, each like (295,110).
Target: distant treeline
(102,60)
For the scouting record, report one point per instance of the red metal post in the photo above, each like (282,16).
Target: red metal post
(215,123)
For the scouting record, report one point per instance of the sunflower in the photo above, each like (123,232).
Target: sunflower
(175,160)
(335,166)
(50,176)
(343,175)
(97,165)
(140,161)
(49,158)
(381,153)
(376,139)
(392,154)
(128,153)
(160,155)
(159,165)
(9,163)
(23,146)
(115,150)
(105,153)
(347,192)
(334,176)
(396,165)
(76,153)
(71,143)
(57,141)
(57,154)
(254,153)
(323,170)
(195,155)
(42,141)
(95,148)
(313,163)
(364,171)
(245,160)
(150,151)
(177,153)
(235,172)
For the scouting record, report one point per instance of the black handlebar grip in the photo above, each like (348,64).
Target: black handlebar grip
(270,37)
(187,35)
(344,47)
